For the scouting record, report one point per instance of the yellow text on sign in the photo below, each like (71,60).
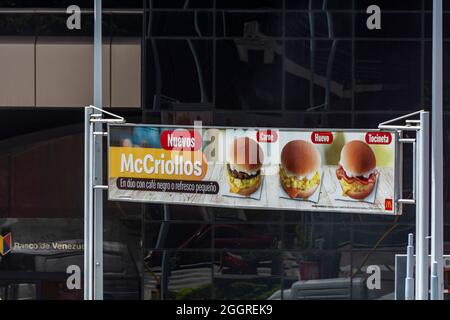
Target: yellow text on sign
(155,163)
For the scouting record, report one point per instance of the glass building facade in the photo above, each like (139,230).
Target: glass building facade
(268,63)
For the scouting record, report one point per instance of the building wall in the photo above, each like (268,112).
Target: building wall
(57,72)
(196,65)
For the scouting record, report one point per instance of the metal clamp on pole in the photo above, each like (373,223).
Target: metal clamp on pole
(101,133)
(102,187)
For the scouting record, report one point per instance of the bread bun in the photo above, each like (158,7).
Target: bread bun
(300,158)
(358,158)
(246,154)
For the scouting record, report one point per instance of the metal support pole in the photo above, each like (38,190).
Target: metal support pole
(409,281)
(437,220)
(93,217)
(98,163)
(422,207)
(434,292)
(87,209)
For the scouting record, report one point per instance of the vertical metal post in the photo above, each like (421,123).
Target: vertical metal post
(409,281)
(437,220)
(434,292)
(98,164)
(422,207)
(87,198)
(91,213)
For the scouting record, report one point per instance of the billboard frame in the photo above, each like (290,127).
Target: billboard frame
(94,117)
(397,166)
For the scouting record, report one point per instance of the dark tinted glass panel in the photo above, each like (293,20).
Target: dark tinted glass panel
(247,264)
(319,5)
(188,236)
(393,25)
(306,236)
(183,69)
(181,24)
(297,74)
(332,24)
(65,3)
(390,4)
(384,236)
(329,86)
(126,25)
(246,236)
(157,212)
(298,24)
(228,215)
(387,75)
(318,217)
(249,4)
(12,24)
(179,275)
(248,24)
(181,4)
(251,288)
(248,76)
(307,265)
(52,190)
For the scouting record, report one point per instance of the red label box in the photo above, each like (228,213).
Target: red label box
(181,139)
(322,137)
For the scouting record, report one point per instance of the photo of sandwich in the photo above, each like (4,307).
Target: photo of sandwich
(357,172)
(244,166)
(300,174)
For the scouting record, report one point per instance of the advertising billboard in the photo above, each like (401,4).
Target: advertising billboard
(286,169)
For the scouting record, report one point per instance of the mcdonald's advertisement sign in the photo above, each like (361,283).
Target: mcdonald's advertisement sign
(290,169)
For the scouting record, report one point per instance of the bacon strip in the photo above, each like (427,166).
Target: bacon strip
(241,175)
(340,174)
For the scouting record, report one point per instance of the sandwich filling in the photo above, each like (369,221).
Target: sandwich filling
(350,174)
(241,180)
(355,183)
(248,172)
(302,183)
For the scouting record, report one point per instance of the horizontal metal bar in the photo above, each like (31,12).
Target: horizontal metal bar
(400,118)
(413,121)
(407,201)
(404,128)
(108,120)
(101,111)
(407,140)
(99,186)
(100,133)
